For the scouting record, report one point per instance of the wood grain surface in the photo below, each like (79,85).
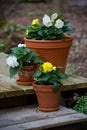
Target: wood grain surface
(29,117)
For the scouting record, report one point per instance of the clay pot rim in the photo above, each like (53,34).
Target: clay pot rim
(48,44)
(29,67)
(44,88)
(36,84)
(68,38)
(23,82)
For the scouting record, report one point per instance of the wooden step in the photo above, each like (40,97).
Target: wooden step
(29,117)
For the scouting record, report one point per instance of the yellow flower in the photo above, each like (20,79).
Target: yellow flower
(35,21)
(47,67)
(54,67)
(27,31)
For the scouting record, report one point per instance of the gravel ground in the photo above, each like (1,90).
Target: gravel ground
(76,12)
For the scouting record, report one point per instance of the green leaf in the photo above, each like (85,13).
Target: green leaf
(59,31)
(20,50)
(31,56)
(51,37)
(41,33)
(57,85)
(43,77)
(14,71)
(42,83)
(37,60)
(1,44)
(66,23)
(18,56)
(68,29)
(37,74)
(61,75)
(81,104)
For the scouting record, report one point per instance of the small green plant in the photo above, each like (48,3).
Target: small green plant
(15,29)
(54,27)
(1,46)
(49,75)
(81,104)
(21,56)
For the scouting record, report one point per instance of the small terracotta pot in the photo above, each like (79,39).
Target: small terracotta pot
(54,51)
(25,75)
(47,99)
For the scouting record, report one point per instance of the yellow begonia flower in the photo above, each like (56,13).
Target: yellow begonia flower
(47,67)
(35,21)
(27,31)
(54,67)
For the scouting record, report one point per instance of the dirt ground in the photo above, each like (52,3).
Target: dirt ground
(75,12)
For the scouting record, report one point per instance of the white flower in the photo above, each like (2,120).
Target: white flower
(59,23)
(47,21)
(54,16)
(12,61)
(21,45)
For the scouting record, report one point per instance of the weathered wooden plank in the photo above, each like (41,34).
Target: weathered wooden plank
(2,94)
(77,79)
(3,66)
(74,82)
(30,118)
(28,114)
(9,87)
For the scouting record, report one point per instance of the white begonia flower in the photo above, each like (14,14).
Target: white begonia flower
(21,45)
(59,23)
(12,61)
(47,21)
(54,16)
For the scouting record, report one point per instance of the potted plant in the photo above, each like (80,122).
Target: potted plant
(48,86)
(50,39)
(24,62)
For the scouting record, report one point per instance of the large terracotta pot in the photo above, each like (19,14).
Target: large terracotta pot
(47,99)
(54,51)
(26,75)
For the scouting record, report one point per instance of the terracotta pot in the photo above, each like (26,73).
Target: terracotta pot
(54,51)
(48,100)
(25,75)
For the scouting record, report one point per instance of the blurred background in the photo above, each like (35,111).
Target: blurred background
(15,14)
